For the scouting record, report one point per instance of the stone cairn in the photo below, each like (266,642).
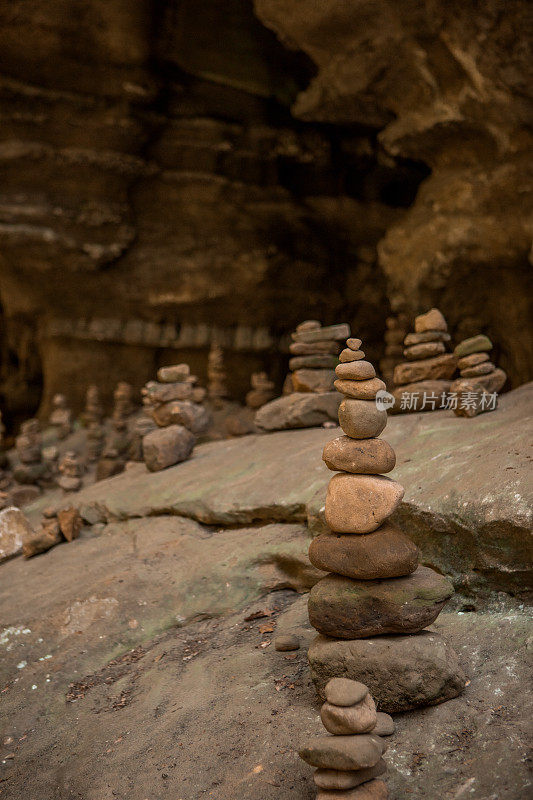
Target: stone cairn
(312,400)
(216,377)
(397,330)
(351,756)
(262,390)
(95,440)
(479,377)
(115,452)
(174,404)
(61,416)
(70,472)
(28,444)
(375,585)
(422,383)
(56,527)
(93,412)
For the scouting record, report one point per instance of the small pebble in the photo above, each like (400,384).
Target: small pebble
(286,642)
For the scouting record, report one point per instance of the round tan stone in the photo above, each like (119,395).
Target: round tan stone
(433,320)
(355,371)
(343,752)
(354,344)
(385,553)
(341,720)
(384,725)
(338,779)
(361,419)
(370,790)
(348,355)
(360,390)
(344,691)
(343,608)
(360,503)
(472,360)
(426,350)
(368,456)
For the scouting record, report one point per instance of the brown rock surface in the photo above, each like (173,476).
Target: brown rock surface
(299,410)
(426,336)
(167,446)
(472,360)
(479,369)
(433,320)
(424,350)
(348,355)
(353,609)
(360,503)
(386,553)
(373,456)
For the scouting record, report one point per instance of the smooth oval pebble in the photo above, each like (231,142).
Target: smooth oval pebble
(472,361)
(355,371)
(360,503)
(286,642)
(360,390)
(372,456)
(476,344)
(370,790)
(427,350)
(386,553)
(338,779)
(351,355)
(345,691)
(361,419)
(343,752)
(385,725)
(354,344)
(359,718)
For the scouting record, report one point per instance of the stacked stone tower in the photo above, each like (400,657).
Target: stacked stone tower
(375,585)
(423,380)
(351,756)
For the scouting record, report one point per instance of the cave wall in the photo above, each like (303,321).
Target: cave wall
(177,173)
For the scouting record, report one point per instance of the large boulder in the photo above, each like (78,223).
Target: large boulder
(299,410)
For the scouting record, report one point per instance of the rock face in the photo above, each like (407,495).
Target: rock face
(457,104)
(14,530)
(177,160)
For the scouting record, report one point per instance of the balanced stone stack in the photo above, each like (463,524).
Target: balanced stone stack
(423,382)
(397,330)
(375,585)
(123,398)
(479,377)
(95,440)
(31,469)
(349,760)
(170,402)
(262,390)
(93,412)
(313,400)
(216,377)
(61,417)
(71,470)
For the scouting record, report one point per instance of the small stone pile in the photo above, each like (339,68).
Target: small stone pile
(312,400)
(61,416)
(479,377)
(123,401)
(397,330)
(375,585)
(174,403)
(95,440)
(56,527)
(28,444)
(71,470)
(93,412)
(115,452)
(216,377)
(262,390)
(349,761)
(423,382)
